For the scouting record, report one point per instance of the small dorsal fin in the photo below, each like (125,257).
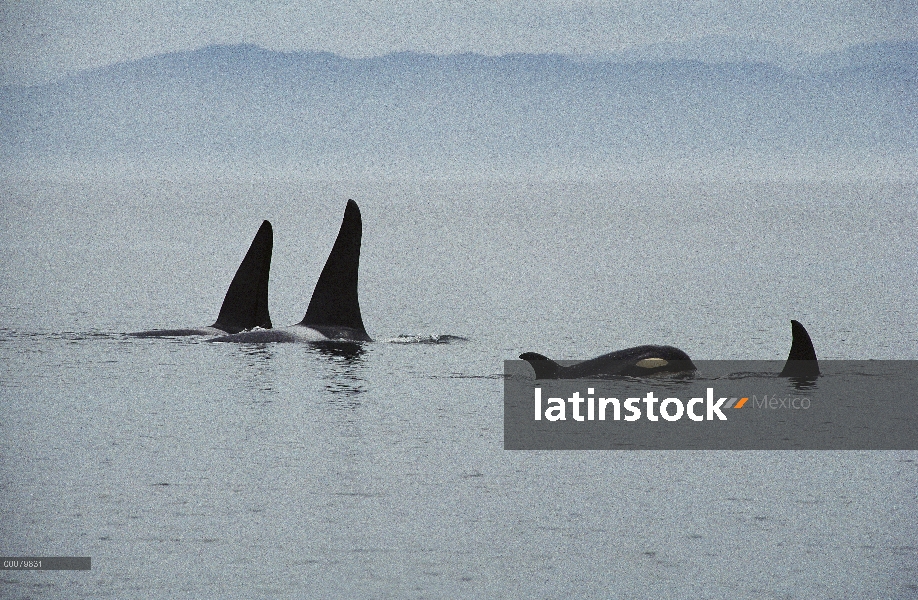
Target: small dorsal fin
(334,304)
(544,367)
(246,303)
(801,361)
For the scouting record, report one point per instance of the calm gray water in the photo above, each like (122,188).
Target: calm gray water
(191,469)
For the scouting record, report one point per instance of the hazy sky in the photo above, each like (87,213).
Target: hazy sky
(41,39)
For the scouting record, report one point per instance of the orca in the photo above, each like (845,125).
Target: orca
(334,310)
(246,303)
(647,360)
(801,361)
(637,361)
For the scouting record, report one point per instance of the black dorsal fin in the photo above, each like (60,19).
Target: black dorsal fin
(801,361)
(334,309)
(544,367)
(246,303)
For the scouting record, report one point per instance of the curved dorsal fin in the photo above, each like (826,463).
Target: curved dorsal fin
(544,367)
(801,361)
(334,302)
(246,303)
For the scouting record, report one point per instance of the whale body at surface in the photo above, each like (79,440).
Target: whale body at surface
(648,360)
(637,361)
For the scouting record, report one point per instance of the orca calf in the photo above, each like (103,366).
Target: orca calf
(637,361)
(334,310)
(246,303)
(647,360)
(801,362)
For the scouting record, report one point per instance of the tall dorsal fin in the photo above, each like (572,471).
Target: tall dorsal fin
(334,304)
(801,361)
(246,303)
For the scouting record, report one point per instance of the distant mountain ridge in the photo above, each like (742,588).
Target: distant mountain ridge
(246,103)
(713,50)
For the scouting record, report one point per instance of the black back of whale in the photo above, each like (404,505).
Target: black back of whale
(801,361)
(627,362)
(334,310)
(246,302)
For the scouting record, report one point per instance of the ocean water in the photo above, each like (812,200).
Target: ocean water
(186,468)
